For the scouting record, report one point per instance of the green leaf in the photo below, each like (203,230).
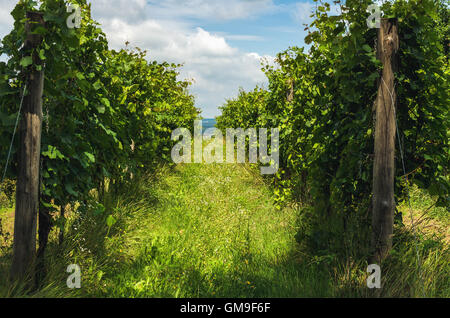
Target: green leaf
(110,221)
(99,209)
(53,153)
(42,54)
(97,85)
(70,190)
(367,48)
(105,102)
(90,156)
(26,61)
(39,30)
(101,109)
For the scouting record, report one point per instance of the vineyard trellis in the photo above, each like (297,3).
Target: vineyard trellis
(29,153)
(327,129)
(99,103)
(383,205)
(111,114)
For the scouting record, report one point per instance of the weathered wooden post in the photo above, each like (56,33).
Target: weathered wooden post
(290,91)
(383,204)
(27,192)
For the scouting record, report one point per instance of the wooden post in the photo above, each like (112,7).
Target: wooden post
(290,90)
(383,204)
(27,192)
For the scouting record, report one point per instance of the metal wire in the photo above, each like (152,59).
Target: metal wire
(12,139)
(407,183)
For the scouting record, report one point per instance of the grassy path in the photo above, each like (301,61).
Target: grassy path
(212,233)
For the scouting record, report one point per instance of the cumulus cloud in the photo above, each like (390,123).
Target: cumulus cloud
(168,30)
(6,20)
(217,69)
(303,11)
(243,37)
(210,9)
(127,10)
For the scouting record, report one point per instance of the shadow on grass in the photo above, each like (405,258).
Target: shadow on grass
(156,273)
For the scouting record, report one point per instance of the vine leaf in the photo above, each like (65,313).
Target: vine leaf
(26,61)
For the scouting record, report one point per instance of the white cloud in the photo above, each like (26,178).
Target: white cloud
(6,20)
(210,9)
(219,79)
(217,68)
(136,10)
(165,28)
(127,10)
(243,37)
(303,11)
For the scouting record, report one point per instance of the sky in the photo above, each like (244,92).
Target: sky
(219,42)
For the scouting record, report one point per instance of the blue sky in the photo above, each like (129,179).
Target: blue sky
(219,42)
(267,32)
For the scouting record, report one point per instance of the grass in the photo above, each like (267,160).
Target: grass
(424,215)
(213,231)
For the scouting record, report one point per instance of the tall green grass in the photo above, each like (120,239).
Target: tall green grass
(213,231)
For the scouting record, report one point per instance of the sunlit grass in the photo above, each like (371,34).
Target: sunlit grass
(213,231)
